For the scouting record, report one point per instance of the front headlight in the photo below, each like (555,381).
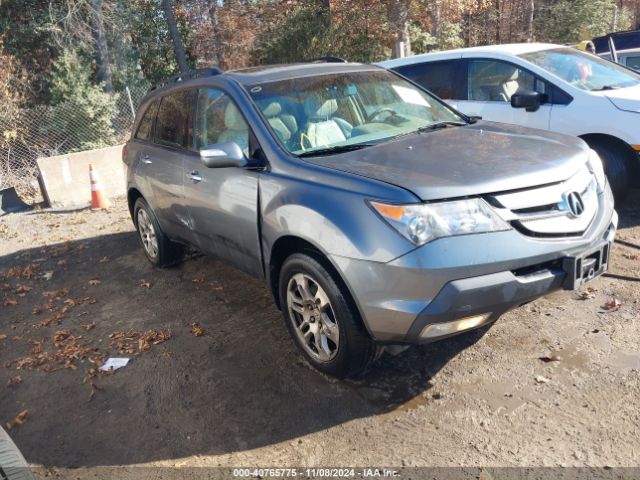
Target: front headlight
(422,223)
(594,163)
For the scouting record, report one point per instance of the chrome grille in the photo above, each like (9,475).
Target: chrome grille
(558,210)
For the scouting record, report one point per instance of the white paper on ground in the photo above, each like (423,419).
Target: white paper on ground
(114,363)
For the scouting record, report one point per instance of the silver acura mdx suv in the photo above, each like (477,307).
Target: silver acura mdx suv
(377,214)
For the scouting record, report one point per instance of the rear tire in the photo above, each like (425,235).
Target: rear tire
(616,166)
(343,348)
(160,251)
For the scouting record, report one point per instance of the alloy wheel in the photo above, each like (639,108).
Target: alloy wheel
(147,233)
(313,317)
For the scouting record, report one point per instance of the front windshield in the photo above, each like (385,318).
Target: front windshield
(583,70)
(340,110)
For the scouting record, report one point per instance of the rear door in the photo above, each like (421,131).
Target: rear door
(163,165)
(223,202)
(490,83)
(141,148)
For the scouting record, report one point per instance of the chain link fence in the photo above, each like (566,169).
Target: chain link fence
(68,127)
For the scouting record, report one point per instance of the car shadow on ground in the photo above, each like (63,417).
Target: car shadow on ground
(242,385)
(629,210)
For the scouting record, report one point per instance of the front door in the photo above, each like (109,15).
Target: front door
(223,202)
(491,83)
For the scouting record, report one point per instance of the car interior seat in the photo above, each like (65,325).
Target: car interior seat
(283,124)
(510,86)
(323,128)
(494,82)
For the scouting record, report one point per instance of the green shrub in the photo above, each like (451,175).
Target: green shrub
(82,114)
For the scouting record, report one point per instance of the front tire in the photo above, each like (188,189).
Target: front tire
(160,251)
(322,320)
(616,166)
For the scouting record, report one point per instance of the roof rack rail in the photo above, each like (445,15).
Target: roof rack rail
(328,59)
(190,75)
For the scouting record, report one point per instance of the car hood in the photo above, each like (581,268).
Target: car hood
(475,159)
(627,99)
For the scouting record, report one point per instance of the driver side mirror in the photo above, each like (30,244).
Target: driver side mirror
(529,100)
(223,155)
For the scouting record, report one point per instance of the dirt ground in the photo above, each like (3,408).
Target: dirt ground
(214,379)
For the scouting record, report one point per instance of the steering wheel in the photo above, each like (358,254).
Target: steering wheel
(380,111)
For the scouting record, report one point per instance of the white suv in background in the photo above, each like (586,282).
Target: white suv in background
(544,86)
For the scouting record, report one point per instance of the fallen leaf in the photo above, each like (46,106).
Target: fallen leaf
(630,256)
(27,272)
(61,263)
(45,307)
(127,342)
(47,275)
(88,326)
(197,330)
(94,389)
(143,345)
(145,284)
(3,337)
(550,358)
(197,279)
(14,380)
(19,420)
(61,335)
(22,289)
(586,295)
(94,281)
(70,302)
(10,301)
(612,304)
(104,260)
(56,293)
(541,379)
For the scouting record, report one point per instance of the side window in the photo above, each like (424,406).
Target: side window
(495,81)
(634,62)
(437,77)
(174,123)
(145,128)
(218,120)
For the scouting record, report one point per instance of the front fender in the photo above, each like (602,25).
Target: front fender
(337,221)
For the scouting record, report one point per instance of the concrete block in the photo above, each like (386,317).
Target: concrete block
(65,178)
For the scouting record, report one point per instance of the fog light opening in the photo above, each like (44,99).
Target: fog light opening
(447,328)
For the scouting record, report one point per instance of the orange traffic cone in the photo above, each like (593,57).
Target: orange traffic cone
(98,200)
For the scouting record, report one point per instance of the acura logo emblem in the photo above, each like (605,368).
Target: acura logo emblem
(575,204)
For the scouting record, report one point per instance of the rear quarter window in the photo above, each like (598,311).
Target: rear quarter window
(145,127)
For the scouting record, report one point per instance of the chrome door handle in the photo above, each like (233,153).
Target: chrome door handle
(195,176)
(146,160)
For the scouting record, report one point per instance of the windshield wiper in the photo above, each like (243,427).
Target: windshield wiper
(333,150)
(433,126)
(606,87)
(439,125)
